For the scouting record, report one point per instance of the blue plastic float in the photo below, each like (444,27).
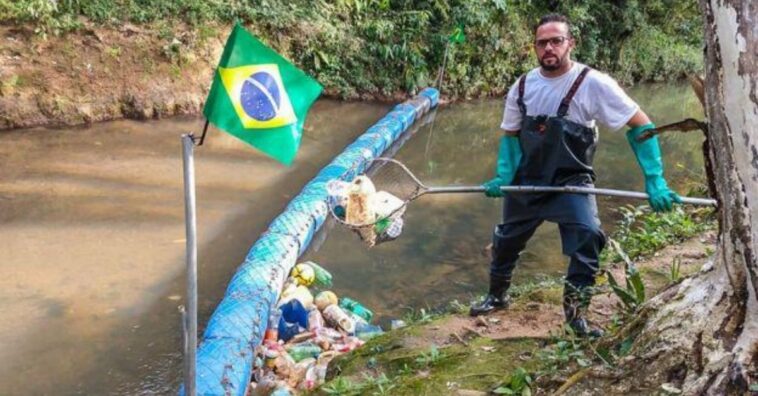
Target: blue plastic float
(226,352)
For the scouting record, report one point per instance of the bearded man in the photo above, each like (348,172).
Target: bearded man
(549,139)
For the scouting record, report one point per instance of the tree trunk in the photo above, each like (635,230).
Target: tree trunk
(702,336)
(731,61)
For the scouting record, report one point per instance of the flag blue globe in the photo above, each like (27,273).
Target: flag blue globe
(260,96)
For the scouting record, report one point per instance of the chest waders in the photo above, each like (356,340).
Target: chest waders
(556,152)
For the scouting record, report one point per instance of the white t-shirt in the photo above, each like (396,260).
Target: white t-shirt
(599,98)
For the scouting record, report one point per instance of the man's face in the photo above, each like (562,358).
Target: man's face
(553,45)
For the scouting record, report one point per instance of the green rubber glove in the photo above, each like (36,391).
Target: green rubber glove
(649,157)
(508,160)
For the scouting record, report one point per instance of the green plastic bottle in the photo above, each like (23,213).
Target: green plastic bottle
(303,351)
(356,308)
(323,277)
(382,225)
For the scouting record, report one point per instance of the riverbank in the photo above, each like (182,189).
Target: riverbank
(101,74)
(524,349)
(71,63)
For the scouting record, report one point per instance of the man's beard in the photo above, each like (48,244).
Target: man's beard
(552,67)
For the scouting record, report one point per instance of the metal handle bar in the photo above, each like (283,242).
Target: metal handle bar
(563,189)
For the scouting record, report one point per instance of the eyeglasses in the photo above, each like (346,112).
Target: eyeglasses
(554,41)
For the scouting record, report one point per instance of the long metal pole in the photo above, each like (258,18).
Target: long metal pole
(190,219)
(563,189)
(441,74)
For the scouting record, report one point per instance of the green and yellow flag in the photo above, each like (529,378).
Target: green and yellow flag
(259,97)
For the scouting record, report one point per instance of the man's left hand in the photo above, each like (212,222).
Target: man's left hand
(662,198)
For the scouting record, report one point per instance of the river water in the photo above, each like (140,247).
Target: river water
(442,254)
(92,236)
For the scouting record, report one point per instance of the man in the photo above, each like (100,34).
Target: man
(550,137)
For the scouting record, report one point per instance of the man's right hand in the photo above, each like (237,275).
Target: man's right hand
(492,188)
(508,159)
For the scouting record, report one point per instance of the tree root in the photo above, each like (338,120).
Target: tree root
(571,381)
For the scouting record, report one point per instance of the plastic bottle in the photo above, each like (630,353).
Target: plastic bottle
(397,324)
(382,225)
(265,385)
(304,351)
(300,293)
(293,311)
(324,299)
(367,331)
(311,378)
(315,320)
(323,277)
(320,371)
(394,229)
(288,330)
(282,390)
(356,308)
(272,330)
(269,357)
(337,317)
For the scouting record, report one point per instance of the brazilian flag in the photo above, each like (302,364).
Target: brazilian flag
(259,97)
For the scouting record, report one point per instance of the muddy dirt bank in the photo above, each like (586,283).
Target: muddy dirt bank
(98,74)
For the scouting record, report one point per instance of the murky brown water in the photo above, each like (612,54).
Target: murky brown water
(92,243)
(441,255)
(92,232)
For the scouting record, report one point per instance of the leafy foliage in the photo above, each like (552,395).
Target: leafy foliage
(641,232)
(381,47)
(632,295)
(518,383)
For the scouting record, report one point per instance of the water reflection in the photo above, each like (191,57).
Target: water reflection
(442,253)
(92,243)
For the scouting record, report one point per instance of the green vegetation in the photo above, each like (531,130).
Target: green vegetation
(407,362)
(382,47)
(632,294)
(388,365)
(641,232)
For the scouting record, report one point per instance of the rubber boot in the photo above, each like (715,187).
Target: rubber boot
(496,298)
(575,305)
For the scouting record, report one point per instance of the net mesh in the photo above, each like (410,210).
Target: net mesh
(393,187)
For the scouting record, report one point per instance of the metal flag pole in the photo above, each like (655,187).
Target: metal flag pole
(189,318)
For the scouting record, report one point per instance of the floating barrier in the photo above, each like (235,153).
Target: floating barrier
(237,326)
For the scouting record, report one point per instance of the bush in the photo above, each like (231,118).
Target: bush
(386,46)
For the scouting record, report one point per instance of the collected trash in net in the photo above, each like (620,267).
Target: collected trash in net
(376,215)
(304,333)
(374,206)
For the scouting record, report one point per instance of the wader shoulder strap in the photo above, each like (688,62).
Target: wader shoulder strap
(564,107)
(520,101)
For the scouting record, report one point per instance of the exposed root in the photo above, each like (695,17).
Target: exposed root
(571,381)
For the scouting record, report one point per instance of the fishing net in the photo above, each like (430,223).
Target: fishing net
(373,204)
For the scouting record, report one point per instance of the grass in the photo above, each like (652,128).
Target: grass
(426,370)
(395,363)
(641,232)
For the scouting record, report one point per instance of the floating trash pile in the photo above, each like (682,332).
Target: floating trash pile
(305,333)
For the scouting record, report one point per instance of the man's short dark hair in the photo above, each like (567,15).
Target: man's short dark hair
(554,18)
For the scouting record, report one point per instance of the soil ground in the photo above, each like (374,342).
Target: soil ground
(100,74)
(474,355)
